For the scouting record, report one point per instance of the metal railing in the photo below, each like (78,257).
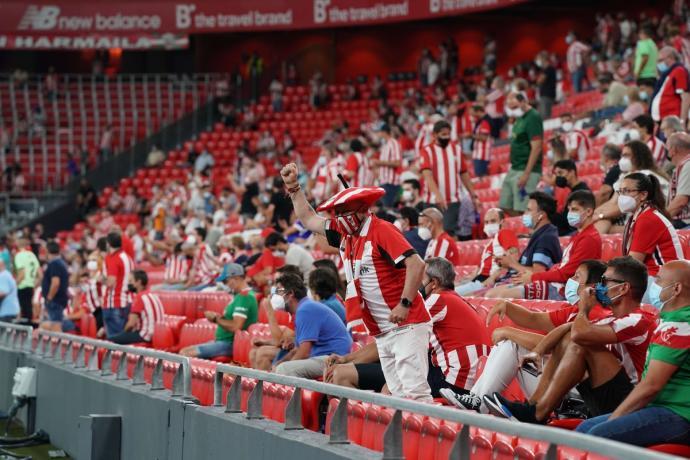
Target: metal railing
(392,442)
(49,346)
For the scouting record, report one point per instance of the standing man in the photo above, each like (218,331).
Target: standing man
(147,309)
(525,155)
(54,288)
(9,303)
(389,164)
(646,54)
(679,194)
(481,141)
(27,269)
(576,57)
(383,273)
(357,168)
(442,165)
(546,79)
(118,266)
(671,96)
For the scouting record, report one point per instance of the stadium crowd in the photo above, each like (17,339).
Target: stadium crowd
(367,240)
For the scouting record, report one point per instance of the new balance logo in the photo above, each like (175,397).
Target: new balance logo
(39,18)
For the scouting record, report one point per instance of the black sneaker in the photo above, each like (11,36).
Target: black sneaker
(522,412)
(493,406)
(466,401)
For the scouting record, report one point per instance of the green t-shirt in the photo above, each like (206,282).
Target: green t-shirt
(526,128)
(647,47)
(671,344)
(27,261)
(244,305)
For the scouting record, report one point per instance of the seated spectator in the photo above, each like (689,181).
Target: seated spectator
(657,411)
(502,241)
(669,126)
(615,91)
(204,265)
(543,249)
(265,353)
(441,244)
(635,157)
(241,313)
(678,201)
(566,180)
(585,244)
(359,369)
(648,236)
(458,338)
(411,194)
(319,332)
(177,268)
(409,226)
(511,344)
(156,157)
(646,127)
(576,141)
(610,156)
(634,104)
(264,266)
(294,254)
(602,358)
(147,310)
(323,284)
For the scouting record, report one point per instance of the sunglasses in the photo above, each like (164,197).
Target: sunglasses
(605,280)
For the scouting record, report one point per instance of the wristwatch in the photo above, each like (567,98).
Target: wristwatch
(407,303)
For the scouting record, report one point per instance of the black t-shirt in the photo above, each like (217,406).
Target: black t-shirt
(612,176)
(57,268)
(246,206)
(283,207)
(548,86)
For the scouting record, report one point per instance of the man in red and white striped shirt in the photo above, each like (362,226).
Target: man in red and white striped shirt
(645,126)
(443,169)
(602,378)
(118,266)
(458,337)
(147,310)
(441,244)
(205,265)
(177,268)
(576,141)
(576,59)
(481,141)
(357,169)
(389,164)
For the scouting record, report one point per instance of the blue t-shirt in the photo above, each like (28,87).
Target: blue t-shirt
(57,267)
(7,258)
(543,248)
(316,323)
(334,304)
(416,242)
(9,304)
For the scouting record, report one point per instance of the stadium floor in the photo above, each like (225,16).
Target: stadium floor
(39,452)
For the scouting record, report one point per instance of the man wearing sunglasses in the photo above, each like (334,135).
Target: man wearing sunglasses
(604,358)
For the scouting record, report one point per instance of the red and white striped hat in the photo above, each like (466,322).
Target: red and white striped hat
(352,199)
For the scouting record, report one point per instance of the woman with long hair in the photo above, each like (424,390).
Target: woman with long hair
(649,235)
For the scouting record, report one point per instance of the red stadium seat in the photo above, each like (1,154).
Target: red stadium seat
(680,450)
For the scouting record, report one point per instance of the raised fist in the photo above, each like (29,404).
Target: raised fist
(289,174)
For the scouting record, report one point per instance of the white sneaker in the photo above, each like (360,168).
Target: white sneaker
(466,401)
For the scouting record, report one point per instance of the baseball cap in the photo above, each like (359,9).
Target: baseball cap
(230,270)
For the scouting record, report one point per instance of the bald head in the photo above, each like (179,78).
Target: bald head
(677,271)
(432,218)
(433,214)
(669,52)
(678,146)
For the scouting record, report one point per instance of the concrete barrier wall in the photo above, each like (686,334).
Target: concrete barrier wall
(155,425)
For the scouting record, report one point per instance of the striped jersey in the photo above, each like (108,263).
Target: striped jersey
(445,165)
(390,151)
(578,141)
(205,265)
(458,338)
(177,268)
(649,232)
(658,150)
(358,164)
(443,246)
(149,307)
(117,265)
(481,150)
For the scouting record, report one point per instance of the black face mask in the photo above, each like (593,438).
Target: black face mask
(131,288)
(443,142)
(561,181)
(422,290)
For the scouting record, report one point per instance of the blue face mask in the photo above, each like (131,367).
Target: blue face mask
(527,220)
(574,218)
(662,66)
(655,295)
(601,292)
(571,287)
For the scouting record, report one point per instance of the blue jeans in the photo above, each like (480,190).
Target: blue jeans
(391,194)
(213,349)
(114,320)
(127,337)
(578,78)
(645,427)
(54,312)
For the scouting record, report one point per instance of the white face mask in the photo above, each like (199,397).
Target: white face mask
(321,161)
(491,229)
(626,204)
(407,196)
(625,164)
(424,233)
(277,302)
(567,126)
(515,113)
(634,135)
(398,225)
(92,265)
